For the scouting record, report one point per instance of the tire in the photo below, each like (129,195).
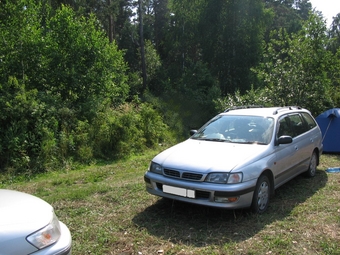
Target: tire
(261,195)
(312,165)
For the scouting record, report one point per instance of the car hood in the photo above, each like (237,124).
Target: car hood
(206,156)
(21,214)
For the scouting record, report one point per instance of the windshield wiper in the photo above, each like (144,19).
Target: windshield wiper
(212,139)
(218,140)
(253,142)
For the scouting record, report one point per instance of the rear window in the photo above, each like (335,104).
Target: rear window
(309,120)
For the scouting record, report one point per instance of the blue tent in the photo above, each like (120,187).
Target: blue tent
(329,122)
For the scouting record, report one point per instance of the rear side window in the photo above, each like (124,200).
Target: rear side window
(309,120)
(297,124)
(292,125)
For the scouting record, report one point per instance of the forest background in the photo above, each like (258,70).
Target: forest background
(90,80)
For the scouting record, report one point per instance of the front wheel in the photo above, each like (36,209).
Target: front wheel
(312,165)
(261,195)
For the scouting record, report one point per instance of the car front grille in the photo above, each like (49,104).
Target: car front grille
(183,175)
(192,176)
(172,173)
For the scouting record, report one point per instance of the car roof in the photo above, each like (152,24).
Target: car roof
(263,111)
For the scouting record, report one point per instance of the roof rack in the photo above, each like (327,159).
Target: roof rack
(243,107)
(287,108)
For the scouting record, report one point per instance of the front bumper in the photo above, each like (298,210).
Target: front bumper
(62,247)
(208,194)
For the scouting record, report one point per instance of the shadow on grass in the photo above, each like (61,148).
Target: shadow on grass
(195,225)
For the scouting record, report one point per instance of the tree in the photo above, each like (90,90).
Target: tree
(142,48)
(111,13)
(24,118)
(334,34)
(334,47)
(82,67)
(295,67)
(231,35)
(56,74)
(162,22)
(288,14)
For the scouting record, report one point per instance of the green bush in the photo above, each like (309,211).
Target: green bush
(57,73)
(152,125)
(126,130)
(19,133)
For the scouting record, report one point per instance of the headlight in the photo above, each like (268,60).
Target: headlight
(224,178)
(156,168)
(235,178)
(47,235)
(217,177)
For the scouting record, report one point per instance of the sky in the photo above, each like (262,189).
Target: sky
(329,8)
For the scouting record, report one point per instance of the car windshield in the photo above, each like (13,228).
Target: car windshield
(237,129)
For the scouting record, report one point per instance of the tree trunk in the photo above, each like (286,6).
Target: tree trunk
(142,50)
(111,32)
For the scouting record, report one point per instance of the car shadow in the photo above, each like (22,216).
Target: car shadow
(199,226)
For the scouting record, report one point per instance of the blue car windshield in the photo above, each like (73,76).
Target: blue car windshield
(237,129)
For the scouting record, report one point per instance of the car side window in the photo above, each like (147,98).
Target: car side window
(309,120)
(297,125)
(292,125)
(284,128)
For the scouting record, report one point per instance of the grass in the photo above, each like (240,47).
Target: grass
(108,211)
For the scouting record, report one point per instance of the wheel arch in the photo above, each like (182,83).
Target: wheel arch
(270,176)
(317,151)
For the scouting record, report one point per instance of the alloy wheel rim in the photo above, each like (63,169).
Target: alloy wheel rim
(313,165)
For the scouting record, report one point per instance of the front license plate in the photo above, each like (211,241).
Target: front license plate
(179,191)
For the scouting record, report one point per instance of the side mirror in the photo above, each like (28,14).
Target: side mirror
(285,139)
(193,131)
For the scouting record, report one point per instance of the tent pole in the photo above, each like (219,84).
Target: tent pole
(327,129)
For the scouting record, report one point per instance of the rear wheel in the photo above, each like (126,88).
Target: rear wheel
(312,165)
(261,195)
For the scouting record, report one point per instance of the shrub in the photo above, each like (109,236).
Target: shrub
(126,130)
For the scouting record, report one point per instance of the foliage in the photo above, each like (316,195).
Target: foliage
(191,93)
(334,47)
(17,136)
(295,68)
(259,97)
(231,38)
(126,130)
(288,14)
(169,108)
(335,77)
(70,72)
(63,92)
(85,69)
(334,34)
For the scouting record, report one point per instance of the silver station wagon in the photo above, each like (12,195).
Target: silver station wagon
(238,158)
